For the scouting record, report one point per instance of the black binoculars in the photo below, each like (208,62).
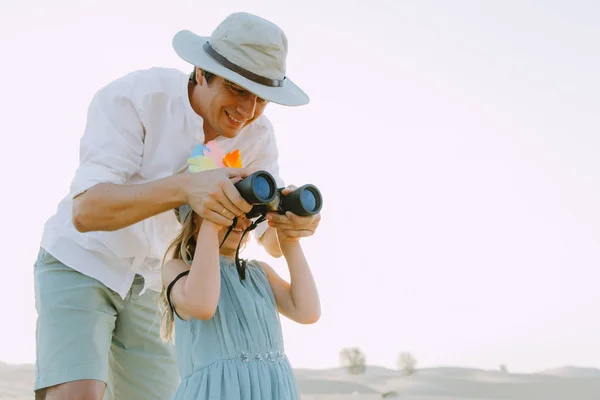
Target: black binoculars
(261,191)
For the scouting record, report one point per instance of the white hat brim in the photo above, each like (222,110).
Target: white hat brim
(189,47)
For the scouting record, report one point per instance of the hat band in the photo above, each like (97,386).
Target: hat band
(243,72)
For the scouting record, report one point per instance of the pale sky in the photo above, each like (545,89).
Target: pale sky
(461,217)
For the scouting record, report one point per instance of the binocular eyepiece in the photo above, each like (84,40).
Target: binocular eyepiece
(260,190)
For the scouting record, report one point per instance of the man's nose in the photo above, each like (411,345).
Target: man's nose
(247,106)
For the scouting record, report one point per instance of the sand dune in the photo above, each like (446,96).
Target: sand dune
(446,383)
(573,372)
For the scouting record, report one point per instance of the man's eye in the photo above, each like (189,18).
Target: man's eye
(237,90)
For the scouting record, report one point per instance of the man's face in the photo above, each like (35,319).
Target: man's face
(227,107)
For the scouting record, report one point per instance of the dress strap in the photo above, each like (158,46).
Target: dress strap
(171,287)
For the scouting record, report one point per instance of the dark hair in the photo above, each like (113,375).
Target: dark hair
(207,75)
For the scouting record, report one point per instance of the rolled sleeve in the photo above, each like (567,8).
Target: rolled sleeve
(112,145)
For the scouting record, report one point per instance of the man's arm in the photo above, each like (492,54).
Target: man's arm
(111,152)
(109,206)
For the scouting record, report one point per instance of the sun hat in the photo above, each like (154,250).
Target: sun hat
(247,50)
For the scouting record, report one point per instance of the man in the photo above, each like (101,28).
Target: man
(97,277)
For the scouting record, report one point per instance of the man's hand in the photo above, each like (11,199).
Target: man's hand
(213,196)
(291,227)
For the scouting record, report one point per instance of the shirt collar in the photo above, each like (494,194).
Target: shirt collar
(197,120)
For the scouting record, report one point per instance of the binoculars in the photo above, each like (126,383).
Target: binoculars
(261,191)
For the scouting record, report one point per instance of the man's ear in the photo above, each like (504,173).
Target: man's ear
(199,76)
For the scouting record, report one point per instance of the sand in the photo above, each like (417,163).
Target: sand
(568,383)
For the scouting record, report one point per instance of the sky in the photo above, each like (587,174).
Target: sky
(455,144)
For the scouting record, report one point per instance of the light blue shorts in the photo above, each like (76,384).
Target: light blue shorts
(86,331)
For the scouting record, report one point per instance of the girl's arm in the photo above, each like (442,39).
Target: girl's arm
(299,299)
(197,294)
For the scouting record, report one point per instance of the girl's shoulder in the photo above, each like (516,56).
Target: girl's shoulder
(260,265)
(257,268)
(253,262)
(263,268)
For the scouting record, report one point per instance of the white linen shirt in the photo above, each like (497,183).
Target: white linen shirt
(141,127)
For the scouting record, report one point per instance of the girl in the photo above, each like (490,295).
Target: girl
(226,320)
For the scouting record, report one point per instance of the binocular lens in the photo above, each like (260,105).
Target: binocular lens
(258,188)
(262,187)
(304,201)
(309,200)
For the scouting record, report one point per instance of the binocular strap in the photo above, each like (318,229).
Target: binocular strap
(240,264)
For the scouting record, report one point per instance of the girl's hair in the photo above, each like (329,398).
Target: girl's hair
(183,248)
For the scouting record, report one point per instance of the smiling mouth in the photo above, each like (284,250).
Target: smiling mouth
(233,119)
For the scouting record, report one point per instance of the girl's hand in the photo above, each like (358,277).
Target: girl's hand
(291,227)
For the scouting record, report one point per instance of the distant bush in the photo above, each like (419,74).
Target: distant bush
(354,360)
(407,363)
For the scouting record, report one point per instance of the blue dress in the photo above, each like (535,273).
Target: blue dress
(239,353)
